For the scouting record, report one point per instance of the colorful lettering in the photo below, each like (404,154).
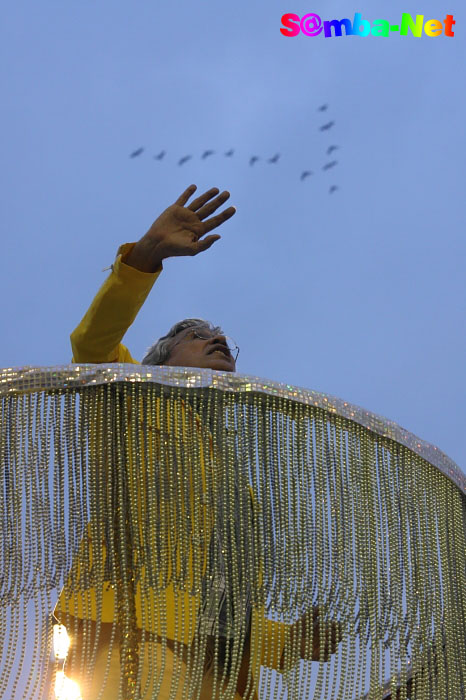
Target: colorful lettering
(361,27)
(448,22)
(336,24)
(407,22)
(311,25)
(433,27)
(380,27)
(287,21)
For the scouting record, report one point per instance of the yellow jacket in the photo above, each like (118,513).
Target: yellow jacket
(97,339)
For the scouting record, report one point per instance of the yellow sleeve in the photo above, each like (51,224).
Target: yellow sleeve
(98,337)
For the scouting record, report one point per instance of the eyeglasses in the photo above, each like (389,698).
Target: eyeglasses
(205,334)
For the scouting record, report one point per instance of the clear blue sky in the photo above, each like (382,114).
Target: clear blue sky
(360,294)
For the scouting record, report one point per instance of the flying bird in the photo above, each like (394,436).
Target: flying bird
(160,155)
(332,164)
(184,159)
(330,150)
(332,189)
(305,174)
(326,127)
(253,159)
(230,152)
(137,152)
(274,158)
(322,108)
(207,153)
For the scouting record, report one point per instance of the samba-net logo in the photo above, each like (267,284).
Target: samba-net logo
(312,25)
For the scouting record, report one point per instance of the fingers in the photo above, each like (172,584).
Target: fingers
(209,208)
(193,215)
(219,219)
(205,243)
(200,201)
(183,198)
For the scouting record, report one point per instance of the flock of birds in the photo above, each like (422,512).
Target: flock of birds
(253,159)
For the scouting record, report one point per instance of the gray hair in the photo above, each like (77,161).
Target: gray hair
(159,352)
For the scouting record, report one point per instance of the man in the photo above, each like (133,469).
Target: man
(181,230)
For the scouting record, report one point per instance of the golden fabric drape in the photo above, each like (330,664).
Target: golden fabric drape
(181,516)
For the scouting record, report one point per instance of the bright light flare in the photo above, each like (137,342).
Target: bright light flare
(65,688)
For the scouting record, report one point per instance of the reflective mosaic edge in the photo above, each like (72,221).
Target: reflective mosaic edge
(30,378)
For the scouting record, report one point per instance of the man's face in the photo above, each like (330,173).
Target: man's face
(210,353)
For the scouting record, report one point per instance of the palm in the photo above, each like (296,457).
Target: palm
(180,229)
(183,228)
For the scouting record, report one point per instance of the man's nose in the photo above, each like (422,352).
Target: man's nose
(219,338)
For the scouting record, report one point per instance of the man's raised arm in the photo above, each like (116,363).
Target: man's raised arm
(180,230)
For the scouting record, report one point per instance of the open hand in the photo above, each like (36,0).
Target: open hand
(181,230)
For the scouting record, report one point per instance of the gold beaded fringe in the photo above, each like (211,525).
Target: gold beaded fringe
(193,536)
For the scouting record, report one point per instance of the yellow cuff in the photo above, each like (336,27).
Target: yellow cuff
(131,274)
